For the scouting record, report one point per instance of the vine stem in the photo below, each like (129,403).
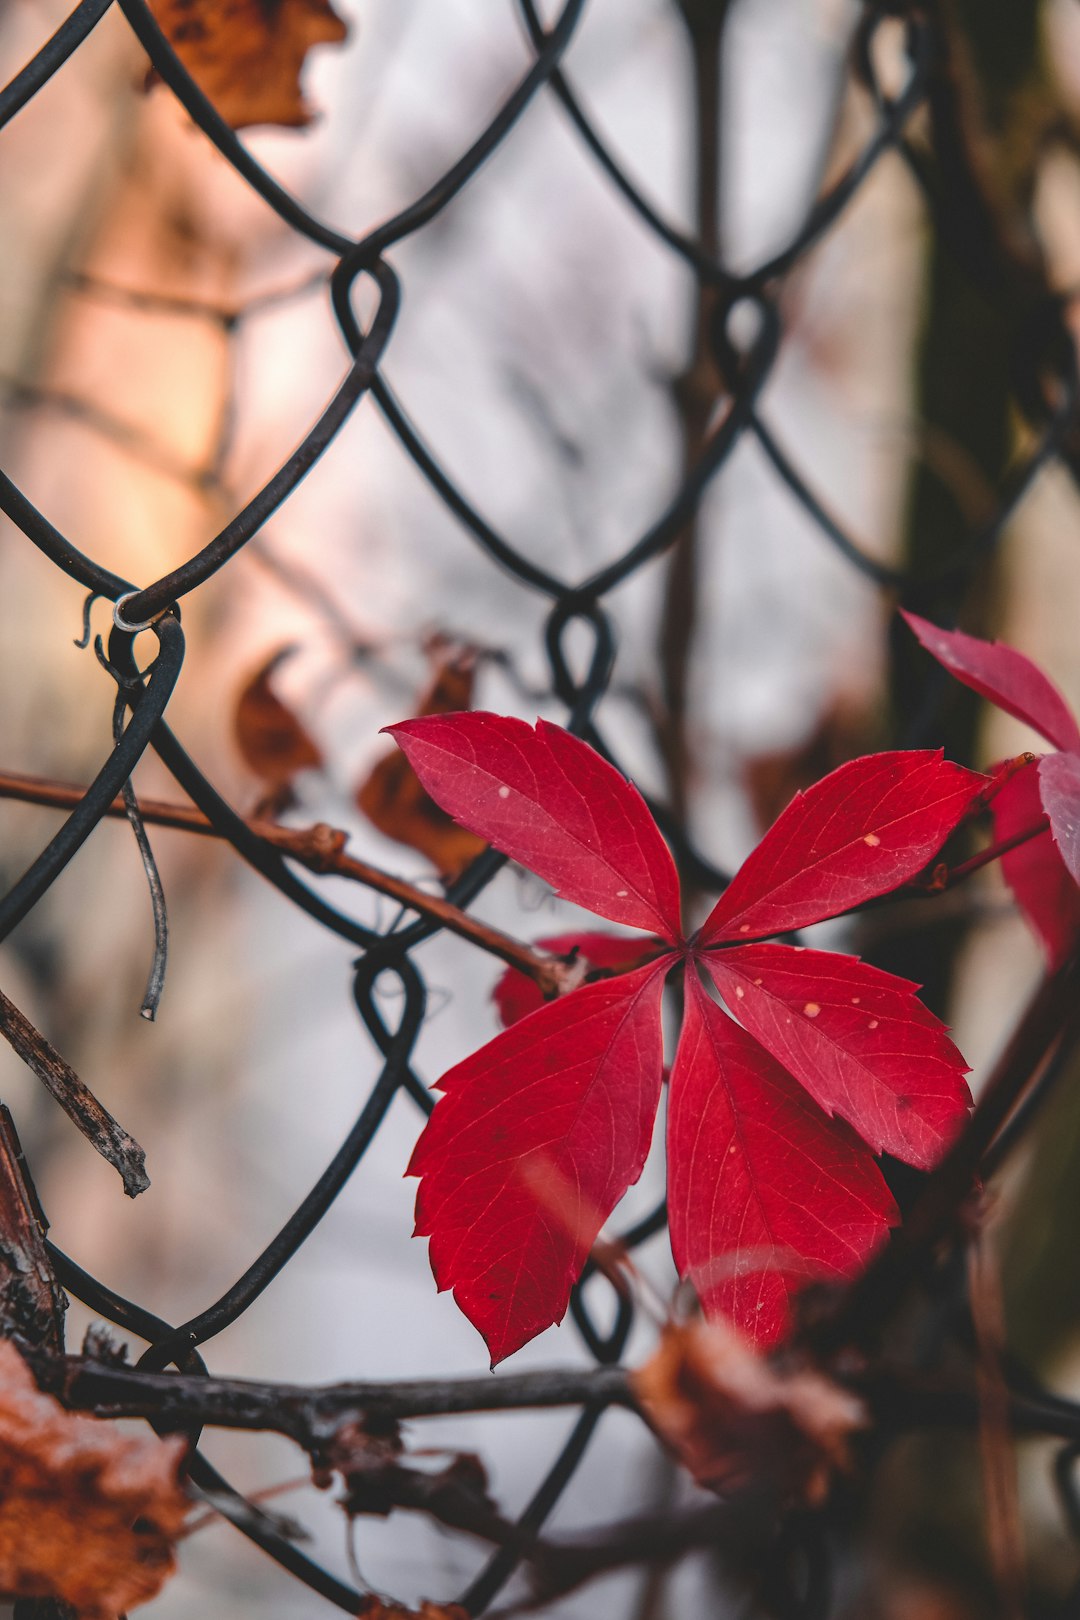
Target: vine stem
(1052,1016)
(695,392)
(312,1415)
(321,849)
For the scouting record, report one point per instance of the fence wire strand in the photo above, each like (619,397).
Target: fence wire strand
(367,347)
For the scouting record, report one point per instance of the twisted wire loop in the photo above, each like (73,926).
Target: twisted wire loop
(1050,396)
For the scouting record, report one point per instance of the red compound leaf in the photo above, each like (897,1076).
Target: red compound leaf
(540,1134)
(516,995)
(861,831)
(548,800)
(858,1039)
(536,1138)
(765,1193)
(1003,675)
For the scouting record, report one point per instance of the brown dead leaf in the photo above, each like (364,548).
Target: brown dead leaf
(247,55)
(732,1419)
(392,798)
(272,742)
(88,1514)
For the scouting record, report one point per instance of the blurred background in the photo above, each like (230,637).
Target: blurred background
(165,341)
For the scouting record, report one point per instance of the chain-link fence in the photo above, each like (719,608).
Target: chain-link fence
(920,121)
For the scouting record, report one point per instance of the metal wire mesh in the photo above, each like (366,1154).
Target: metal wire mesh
(1046,387)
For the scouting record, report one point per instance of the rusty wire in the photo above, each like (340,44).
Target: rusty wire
(1047,386)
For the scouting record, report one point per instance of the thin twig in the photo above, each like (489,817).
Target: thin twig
(75,1098)
(1004,1528)
(321,849)
(312,1415)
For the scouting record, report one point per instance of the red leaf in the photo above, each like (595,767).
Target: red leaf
(516,995)
(548,800)
(1004,676)
(764,1192)
(1034,871)
(1059,788)
(537,1137)
(858,1039)
(859,832)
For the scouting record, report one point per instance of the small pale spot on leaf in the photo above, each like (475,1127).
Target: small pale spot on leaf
(811,1009)
(504,792)
(745,928)
(872,839)
(739,991)
(873,1023)
(855,1000)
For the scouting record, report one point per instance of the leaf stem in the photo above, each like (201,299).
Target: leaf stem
(945,877)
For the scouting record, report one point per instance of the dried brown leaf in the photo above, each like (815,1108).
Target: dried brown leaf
(731,1418)
(247,55)
(272,742)
(88,1514)
(392,798)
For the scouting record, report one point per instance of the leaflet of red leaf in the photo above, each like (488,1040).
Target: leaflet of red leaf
(858,1039)
(536,1138)
(548,800)
(765,1193)
(1059,789)
(1004,676)
(1034,871)
(859,832)
(516,995)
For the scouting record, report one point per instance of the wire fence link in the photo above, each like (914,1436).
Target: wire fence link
(1046,386)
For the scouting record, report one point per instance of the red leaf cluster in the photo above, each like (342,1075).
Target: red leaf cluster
(779,1098)
(1044,871)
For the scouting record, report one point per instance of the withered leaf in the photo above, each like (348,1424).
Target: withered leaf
(88,1514)
(272,742)
(247,55)
(733,1419)
(392,797)
(374,1608)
